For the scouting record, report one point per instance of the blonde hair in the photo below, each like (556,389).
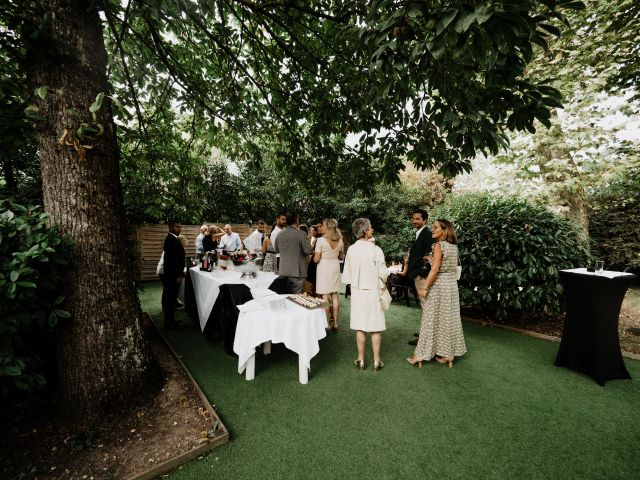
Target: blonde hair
(331,231)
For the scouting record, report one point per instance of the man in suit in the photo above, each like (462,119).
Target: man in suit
(173,273)
(420,248)
(294,248)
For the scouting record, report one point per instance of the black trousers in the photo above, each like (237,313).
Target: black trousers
(170,291)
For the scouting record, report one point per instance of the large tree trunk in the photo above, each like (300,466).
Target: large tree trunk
(103,359)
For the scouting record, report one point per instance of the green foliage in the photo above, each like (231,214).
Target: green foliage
(511,251)
(19,167)
(426,81)
(33,258)
(614,222)
(587,143)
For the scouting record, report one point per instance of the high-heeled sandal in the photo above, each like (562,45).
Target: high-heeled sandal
(335,329)
(415,361)
(378,365)
(444,360)
(359,364)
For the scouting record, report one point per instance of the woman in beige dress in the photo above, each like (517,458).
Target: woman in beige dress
(366,271)
(328,252)
(441,328)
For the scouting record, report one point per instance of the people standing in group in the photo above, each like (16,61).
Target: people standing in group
(230,241)
(270,262)
(365,269)
(294,248)
(441,333)
(253,242)
(419,251)
(328,252)
(199,241)
(173,273)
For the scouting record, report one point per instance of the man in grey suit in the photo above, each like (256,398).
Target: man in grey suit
(294,247)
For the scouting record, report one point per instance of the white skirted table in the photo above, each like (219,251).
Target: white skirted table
(298,328)
(206,287)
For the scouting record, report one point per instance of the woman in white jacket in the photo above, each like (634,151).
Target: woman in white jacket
(366,271)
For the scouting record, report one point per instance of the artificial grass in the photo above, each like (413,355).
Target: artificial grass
(503,411)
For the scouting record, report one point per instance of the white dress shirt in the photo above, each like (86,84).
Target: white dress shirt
(274,234)
(253,243)
(231,243)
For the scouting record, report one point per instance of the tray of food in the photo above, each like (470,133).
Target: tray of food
(306,301)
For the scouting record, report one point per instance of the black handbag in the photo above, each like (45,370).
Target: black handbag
(424,270)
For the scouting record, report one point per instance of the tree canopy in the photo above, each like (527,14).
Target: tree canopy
(344,89)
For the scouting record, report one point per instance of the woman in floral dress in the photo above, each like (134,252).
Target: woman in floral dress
(441,328)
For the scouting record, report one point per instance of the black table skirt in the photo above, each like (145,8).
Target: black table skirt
(223,317)
(590,341)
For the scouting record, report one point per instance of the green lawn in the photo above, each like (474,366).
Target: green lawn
(632,298)
(503,411)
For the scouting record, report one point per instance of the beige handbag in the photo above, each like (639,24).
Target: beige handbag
(385,299)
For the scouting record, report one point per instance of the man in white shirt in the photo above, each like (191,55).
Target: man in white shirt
(230,241)
(199,238)
(281,222)
(253,243)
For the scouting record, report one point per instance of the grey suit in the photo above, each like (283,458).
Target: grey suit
(294,247)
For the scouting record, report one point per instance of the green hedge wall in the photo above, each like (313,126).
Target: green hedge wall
(511,251)
(614,223)
(33,259)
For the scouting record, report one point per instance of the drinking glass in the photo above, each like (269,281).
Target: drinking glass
(599,266)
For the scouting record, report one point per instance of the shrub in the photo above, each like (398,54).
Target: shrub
(511,251)
(614,223)
(32,264)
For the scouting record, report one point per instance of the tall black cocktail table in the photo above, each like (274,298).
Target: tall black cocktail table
(590,341)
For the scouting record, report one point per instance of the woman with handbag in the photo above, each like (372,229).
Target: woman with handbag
(365,269)
(441,328)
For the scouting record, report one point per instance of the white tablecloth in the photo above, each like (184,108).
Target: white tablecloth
(206,287)
(298,328)
(604,273)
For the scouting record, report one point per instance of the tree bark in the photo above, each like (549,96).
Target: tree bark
(103,358)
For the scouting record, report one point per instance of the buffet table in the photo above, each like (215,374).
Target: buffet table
(295,326)
(212,299)
(590,342)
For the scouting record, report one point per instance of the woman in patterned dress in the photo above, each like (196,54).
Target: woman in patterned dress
(328,251)
(270,263)
(441,328)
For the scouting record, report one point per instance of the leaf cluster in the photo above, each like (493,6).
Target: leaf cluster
(33,259)
(435,82)
(18,161)
(614,222)
(511,251)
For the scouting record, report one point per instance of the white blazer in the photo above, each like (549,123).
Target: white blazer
(364,266)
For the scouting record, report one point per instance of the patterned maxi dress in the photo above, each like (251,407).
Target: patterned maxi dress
(270,263)
(441,327)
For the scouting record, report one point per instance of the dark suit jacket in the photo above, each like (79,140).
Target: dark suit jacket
(294,247)
(419,248)
(173,257)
